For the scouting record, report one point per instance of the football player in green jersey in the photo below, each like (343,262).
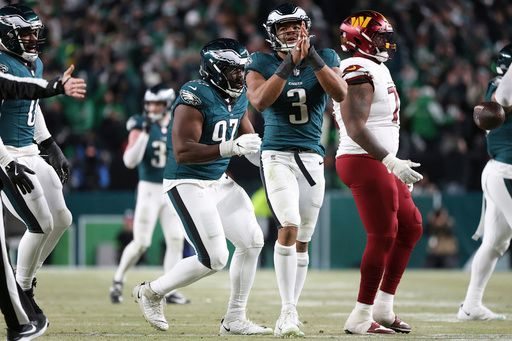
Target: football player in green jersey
(210,124)
(42,208)
(291,87)
(146,150)
(495,226)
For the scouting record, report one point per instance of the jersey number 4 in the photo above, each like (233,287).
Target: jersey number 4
(302,116)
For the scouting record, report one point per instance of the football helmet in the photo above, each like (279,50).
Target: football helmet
(283,14)
(17,21)
(370,34)
(504,59)
(158,93)
(223,62)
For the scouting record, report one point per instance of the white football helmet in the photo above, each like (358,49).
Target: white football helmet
(158,93)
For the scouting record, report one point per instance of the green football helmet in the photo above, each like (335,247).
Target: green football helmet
(504,59)
(20,29)
(223,62)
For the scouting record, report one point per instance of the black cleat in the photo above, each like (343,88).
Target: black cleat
(27,332)
(176,298)
(116,292)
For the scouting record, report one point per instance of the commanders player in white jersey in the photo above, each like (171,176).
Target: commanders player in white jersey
(146,150)
(369,125)
(495,226)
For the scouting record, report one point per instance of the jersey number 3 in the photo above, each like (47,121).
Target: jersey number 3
(303,115)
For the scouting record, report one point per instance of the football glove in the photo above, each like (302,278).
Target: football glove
(146,125)
(402,169)
(56,159)
(245,144)
(18,175)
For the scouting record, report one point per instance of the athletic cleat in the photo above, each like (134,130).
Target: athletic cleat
(176,298)
(28,332)
(288,325)
(398,325)
(151,304)
(243,327)
(361,322)
(480,313)
(40,317)
(116,292)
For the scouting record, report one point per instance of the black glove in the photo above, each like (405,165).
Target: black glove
(56,159)
(18,175)
(146,125)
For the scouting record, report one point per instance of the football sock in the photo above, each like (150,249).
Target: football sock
(302,271)
(372,266)
(482,267)
(29,251)
(173,252)
(383,307)
(52,240)
(241,274)
(285,264)
(363,309)
(131,255)
(185,272)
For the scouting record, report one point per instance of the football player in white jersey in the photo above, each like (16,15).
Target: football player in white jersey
(495,226)
(146,150)
(369,125)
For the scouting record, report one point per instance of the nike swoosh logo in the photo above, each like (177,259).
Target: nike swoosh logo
(320,162)
(16,170)
(227,329)
(193,88)
(31,330)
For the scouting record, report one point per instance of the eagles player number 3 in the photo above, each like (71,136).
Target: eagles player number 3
(304,116)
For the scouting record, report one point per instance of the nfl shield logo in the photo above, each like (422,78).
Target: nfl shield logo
(296,72)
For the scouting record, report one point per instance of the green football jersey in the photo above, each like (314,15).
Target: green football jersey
(499,140)
(17,117)
(294,120)
(151,168)
(220,123)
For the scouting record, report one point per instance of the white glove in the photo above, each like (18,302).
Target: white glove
(253,158)
(245,144)
(402,169)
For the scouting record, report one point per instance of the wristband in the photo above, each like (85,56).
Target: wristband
(314,59)
(285,69)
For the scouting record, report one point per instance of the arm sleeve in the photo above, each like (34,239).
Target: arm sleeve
(504,91)
(28,88)
(41,132)
(133,155)
(5,157)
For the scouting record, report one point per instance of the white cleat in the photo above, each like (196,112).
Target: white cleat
(243,327)
(362,323)
(480,313)
(151,304)
(288,325)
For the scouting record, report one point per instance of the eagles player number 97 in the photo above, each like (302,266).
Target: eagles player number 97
(220,130)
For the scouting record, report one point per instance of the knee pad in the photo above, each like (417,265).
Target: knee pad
(302,259)
(284,250)
(64,218)
(500,242)
(305,233)
(218,259)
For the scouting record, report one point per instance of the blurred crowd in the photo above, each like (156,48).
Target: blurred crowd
(442,66)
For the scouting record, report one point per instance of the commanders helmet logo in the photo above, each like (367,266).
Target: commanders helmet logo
(190,98)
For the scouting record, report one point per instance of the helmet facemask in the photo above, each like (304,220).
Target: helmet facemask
(163,98)
(24,38)
(277,19)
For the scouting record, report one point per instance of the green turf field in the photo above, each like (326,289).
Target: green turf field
(78,307)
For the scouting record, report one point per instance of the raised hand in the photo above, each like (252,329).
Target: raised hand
(73,87)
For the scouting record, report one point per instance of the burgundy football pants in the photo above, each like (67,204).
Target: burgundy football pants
(392,222)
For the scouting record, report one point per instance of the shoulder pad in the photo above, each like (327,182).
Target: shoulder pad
(356,74)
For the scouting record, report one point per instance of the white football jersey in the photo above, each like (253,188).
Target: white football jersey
(384,119)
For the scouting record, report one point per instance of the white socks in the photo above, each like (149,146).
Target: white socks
(241,273)
(131,255)
(482,267)
(302,271)
(285,264)
(185,272)
(29,251)
(383,307)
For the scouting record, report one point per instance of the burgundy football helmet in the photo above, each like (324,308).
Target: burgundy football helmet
(369,33)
